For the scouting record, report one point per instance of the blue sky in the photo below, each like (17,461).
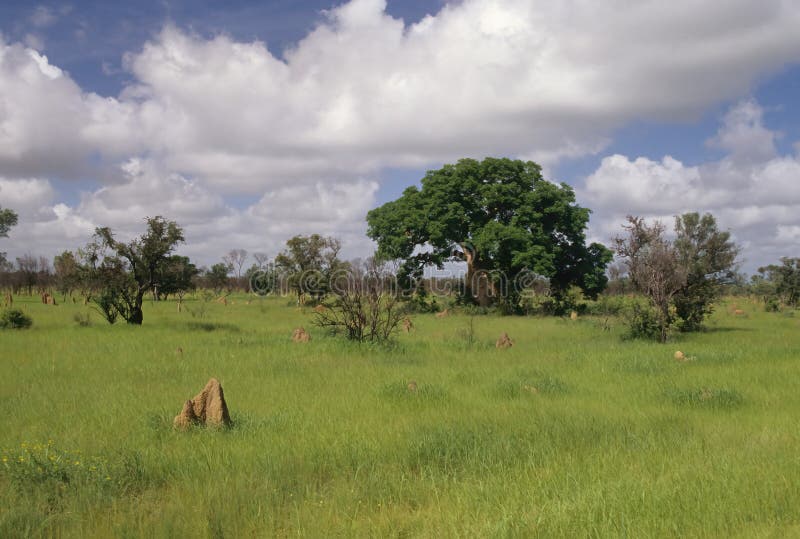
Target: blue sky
(138,108)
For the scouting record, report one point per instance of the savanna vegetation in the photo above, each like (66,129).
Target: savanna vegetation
(573,431)
(651,397)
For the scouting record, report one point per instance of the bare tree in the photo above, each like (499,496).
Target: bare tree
(235,259)
(653,266)
(28,270)
(261,259)
(365,305)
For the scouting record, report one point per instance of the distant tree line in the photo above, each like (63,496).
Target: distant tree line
(522,239)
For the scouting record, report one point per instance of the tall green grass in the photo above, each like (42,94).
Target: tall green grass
(572,432)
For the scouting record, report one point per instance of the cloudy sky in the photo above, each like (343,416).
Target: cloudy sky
(249,122)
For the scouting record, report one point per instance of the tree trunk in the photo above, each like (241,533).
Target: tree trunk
(478,285)
(136,313)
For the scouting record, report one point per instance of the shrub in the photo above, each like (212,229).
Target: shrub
(772,305)
(643,323)
(82,319)
(364,306)
(15,319)
(606,305)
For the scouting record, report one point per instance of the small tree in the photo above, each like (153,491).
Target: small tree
(365,306)
(309,263)
(28,271)
(125,272)
(261,259)
(177,278)
(217,277)
(236,259)
(709,258)
(654,267)
(67,272)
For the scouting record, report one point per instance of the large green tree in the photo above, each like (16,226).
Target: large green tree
(503,219)
(709,258)
(125,272)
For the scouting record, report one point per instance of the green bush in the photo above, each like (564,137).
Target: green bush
(643,322)
(606,305)
(14,319)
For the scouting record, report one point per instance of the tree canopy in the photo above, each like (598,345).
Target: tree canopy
(501,217)
(8,218)
(124,272)
(784,279)
(309,263)
(709,258)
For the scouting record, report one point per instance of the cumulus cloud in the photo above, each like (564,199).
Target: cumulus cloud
(752,190)
(303,134)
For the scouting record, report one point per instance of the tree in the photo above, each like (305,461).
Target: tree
(28,270)
(784,279)
(176,277)
(709,259)
(365,307)
(8,218)
(217,276)
(654,267)
(67,272)
(309,263)
(261,259)
(502,218)
(132,269)
(235,259)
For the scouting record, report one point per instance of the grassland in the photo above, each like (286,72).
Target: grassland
(572,432)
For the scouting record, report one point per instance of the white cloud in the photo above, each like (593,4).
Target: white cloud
(303,134)
(753,191)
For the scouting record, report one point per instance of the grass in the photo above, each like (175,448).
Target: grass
(572,432)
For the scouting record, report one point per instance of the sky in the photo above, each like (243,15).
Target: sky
(250,122)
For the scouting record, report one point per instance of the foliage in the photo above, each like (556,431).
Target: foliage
(14,319)
(263,278)
(708,257)
(501,217)
(8,219)
(654,268)
(364,306)
(608,305)
(176,276)
(67,272)
(123,272)
(782,281)
(34,464)
(217,276)
(643,322)
(310,264)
